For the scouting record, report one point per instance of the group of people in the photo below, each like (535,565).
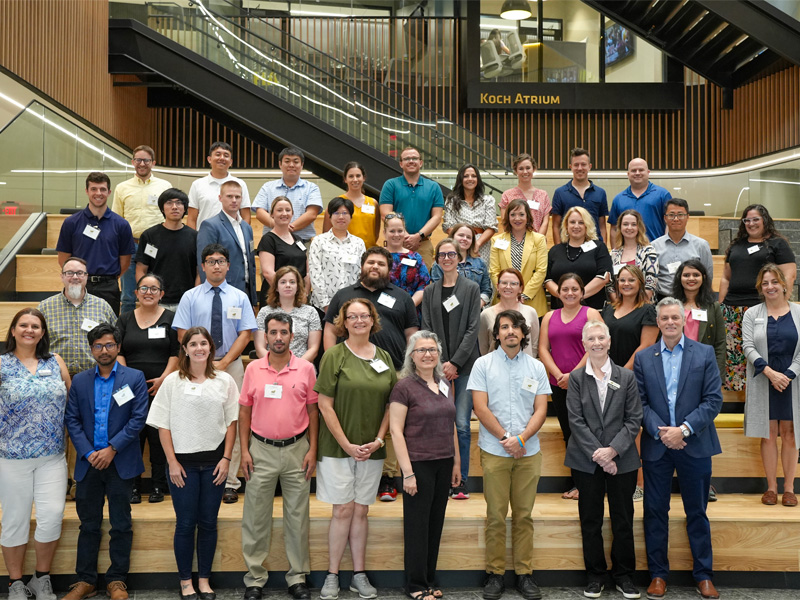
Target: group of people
(396,344)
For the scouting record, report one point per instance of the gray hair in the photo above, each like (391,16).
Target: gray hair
(409,368)
(592,324)
(670,301)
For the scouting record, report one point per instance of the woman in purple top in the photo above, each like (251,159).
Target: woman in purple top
(561,347)
(422,416)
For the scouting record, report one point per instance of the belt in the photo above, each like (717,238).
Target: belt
(99,278)
(279,443)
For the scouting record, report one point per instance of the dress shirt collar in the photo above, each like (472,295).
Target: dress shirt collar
(113,371)
(300,183)
(90,215)
(206,287)
(290,366)
(681,343)
(234,222)
(572,187)
(606,370)
(69,302)
(506,357)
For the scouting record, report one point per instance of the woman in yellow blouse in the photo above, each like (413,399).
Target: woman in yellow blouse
(366,217)
(521,248)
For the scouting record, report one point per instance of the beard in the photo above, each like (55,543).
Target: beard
(74,291)
(375,281)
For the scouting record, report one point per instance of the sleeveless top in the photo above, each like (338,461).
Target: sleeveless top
(31,409)
(566,345)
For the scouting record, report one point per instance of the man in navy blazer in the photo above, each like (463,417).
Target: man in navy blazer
(230,230)
(680,387)
(106,410)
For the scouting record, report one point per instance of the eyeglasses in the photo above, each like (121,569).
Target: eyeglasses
(443,255)
(752,220)
(508,284)
(210,262)
(142,161)
(341,213)
(152,289)
(354,318)
(99,347)
(71,274)
(394,216)
(173,203)
(676,216)
(410,159)
(423,351)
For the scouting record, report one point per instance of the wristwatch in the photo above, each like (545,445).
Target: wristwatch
(422,235)
(685,431)
(506,435)
(380,441)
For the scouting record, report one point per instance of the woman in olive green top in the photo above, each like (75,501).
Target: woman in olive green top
(354,383)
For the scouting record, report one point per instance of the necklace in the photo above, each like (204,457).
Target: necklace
(570,249)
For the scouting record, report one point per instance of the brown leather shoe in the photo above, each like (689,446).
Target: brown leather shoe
(707,590)
(657,589)
(231,496)
(789,499)
(769,498)
(80,590)
(117,590)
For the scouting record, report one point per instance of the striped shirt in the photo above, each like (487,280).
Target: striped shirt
(65,323)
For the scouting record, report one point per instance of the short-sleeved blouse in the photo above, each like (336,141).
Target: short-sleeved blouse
(362,224)
(540,196)
(305,319)
(626,333)
(587,265)
(285,254)
(142,349)
(481,215)
(31,409)
(360,395)
(746,265)
(411,278)
(430,420)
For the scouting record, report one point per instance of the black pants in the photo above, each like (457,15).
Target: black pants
(593,487)
(423,519)
(559,398)
(108,290)
(158,460)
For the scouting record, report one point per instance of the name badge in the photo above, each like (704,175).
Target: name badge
(193,389)
(152,200)
(44,373)
(88,324)
(151,250)
(350,259)
(301,245)
(378,365)
(386,300)
(444,388)
(123,395)
(450,303)
(759,319)
(529,385)
(533,205)
(234,312)
(613,385)
(368,209)
(673,266)
(753,249)
(588,246)
(252,245)
(699,314)
(91,232)
(617,268)
(273,391)
(501,244)
(156,333)
(409,262)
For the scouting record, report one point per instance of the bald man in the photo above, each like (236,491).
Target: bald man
(643,196)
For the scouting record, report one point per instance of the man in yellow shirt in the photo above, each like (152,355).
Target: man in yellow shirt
(136,201)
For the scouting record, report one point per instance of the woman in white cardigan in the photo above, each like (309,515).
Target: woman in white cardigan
(771,343)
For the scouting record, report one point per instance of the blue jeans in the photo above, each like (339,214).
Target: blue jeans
(128,279)
(90,496)
(463,414)
(196,507)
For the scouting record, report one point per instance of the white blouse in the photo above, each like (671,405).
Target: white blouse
(196,414)
(332,265)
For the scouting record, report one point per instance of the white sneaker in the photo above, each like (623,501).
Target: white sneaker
(18,591)
(330,589)
(361,585)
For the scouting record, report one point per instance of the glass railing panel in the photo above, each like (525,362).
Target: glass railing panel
(21,149)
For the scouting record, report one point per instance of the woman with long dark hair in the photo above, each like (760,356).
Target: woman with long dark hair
(469,203)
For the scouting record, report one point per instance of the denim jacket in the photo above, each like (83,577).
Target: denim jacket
(473,269)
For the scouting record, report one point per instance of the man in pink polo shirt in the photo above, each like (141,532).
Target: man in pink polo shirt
(278,424)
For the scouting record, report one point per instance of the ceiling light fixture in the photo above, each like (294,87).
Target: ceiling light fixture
(515,10)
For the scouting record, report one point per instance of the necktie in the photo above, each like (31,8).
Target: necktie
(216,319)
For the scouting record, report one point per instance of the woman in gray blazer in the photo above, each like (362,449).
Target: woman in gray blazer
(771,344)
(605,413)
(451,308)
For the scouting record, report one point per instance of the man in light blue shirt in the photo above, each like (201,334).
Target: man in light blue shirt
(228,316)
(304,195)
(509,394)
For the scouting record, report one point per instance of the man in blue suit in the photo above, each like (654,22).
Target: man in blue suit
(230,230)
(679,384)
(106,410)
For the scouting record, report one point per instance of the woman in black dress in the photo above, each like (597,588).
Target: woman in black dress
(151,345)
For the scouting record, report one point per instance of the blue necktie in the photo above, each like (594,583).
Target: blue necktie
(216,319)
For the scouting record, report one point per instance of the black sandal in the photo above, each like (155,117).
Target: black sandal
(436,593)
(421,595)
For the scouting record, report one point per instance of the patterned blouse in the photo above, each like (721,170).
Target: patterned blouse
(305,319)
(481,215)
(411,278)
(31,409)
(332,265)
(540,196)
(646,260)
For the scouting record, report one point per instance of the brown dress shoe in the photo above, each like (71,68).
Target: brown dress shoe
(117,590)
(789,499)
(769,498)
(80,590)
(706,589)
(657,589)
(231,496)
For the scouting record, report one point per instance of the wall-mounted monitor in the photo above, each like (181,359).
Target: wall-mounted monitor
(620,44)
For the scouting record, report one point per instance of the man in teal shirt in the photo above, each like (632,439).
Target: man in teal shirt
(418,199)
